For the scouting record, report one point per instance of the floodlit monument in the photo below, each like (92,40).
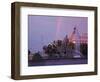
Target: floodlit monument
(75,38)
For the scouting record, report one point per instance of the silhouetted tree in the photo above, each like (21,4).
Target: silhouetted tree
(29,52)
(84,49)
(71,45)
(37,57)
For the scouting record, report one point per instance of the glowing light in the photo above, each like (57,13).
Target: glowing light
(74,42)
(59,21)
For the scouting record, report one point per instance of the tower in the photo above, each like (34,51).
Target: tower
(75,38)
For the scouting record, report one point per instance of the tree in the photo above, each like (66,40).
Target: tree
(83,49)
(37,57)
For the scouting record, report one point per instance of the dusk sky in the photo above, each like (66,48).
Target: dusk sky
(43,30)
